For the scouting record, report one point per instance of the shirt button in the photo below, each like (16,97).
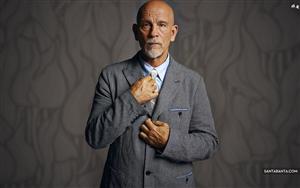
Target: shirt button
(148,172)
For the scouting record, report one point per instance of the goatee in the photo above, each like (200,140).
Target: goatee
(153,53)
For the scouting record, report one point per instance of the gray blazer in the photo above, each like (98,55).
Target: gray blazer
(116,116)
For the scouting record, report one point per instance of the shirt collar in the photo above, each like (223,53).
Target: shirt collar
(161,69)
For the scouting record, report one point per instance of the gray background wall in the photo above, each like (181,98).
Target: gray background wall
(52,51)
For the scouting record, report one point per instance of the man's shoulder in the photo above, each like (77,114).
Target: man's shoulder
(116,66)
(114,70)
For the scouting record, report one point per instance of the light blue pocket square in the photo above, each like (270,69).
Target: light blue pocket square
(185,175)
(178,109)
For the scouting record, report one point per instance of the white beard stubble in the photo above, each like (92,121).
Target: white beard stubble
(153,53)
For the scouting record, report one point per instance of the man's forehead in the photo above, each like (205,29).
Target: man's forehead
(156,12)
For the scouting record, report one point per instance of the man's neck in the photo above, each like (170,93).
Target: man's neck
(156,61)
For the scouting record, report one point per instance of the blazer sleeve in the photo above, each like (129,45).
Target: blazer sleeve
(201,141)
(109,118)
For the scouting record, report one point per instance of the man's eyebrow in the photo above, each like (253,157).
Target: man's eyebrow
(162,21)
(143,20)
(146,20)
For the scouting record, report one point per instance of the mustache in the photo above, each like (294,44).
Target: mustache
(152,41)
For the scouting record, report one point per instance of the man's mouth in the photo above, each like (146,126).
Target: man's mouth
(153,44)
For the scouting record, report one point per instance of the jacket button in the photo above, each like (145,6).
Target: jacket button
(148,172)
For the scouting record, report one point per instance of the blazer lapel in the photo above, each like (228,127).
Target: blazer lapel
(169,88)
(133,71)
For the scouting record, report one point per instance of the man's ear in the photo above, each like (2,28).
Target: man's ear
(174,32)
(135,31)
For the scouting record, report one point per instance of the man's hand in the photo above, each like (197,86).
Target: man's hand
(155,133)
(144,89)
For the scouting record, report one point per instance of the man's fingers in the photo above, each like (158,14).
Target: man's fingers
(149,124)
(144,129)
(143,136)
(154,94)
(148,78)
(146,139)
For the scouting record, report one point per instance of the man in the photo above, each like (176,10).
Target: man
(157,122)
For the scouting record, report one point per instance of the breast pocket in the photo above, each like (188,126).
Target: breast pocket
(185,179)
(176,117)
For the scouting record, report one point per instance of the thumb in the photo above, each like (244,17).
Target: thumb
(159,123)
(148,77)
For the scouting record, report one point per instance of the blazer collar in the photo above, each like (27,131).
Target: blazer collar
(133,70)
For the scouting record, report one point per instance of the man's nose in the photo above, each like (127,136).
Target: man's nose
(154,31)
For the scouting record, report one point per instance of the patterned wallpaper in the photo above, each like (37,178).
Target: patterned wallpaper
(51,52)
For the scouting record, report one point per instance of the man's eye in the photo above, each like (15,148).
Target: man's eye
(146,26)
(163,25)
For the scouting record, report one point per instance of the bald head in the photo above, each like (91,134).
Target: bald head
(155,5)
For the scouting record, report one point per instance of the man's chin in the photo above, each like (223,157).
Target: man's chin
(151,54)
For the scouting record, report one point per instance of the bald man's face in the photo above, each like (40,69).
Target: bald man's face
(155,29)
